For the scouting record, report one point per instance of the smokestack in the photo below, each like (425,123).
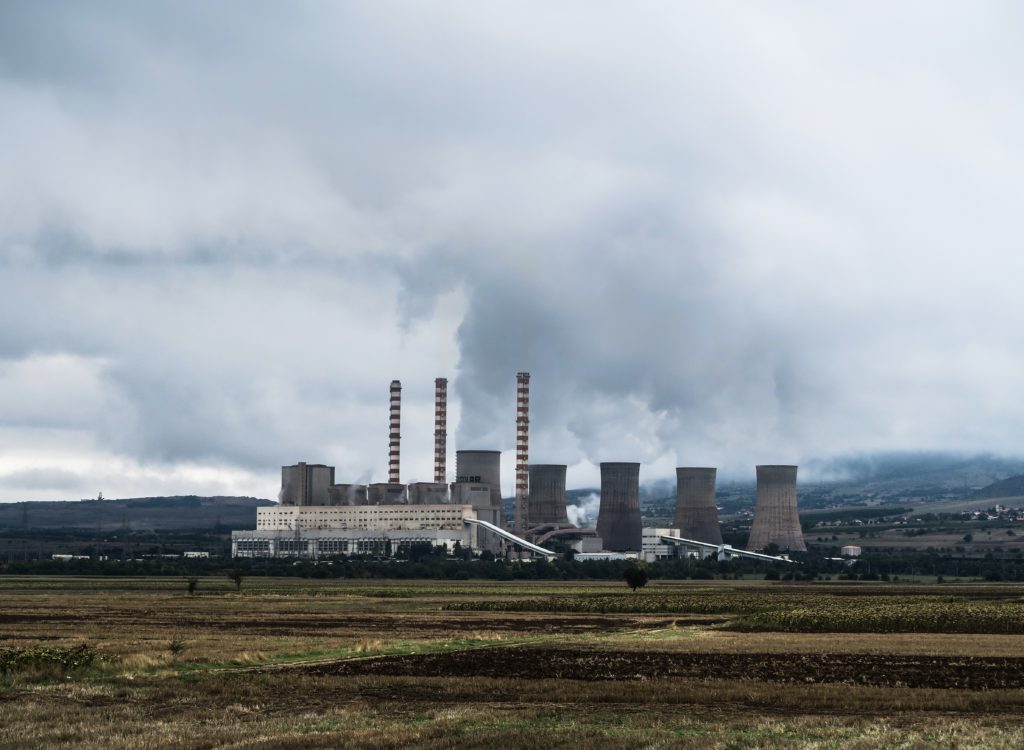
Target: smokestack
(522,512)
(775,515)
(547,494)
(618,520)
(696,511)
(440,429)
(394,454)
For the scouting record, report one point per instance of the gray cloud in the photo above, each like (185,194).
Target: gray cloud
(720,234)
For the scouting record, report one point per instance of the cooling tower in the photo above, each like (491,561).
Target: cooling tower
(547,494)
(618,520)
(696,511)
(775,515)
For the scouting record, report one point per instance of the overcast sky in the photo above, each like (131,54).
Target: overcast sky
(716,233)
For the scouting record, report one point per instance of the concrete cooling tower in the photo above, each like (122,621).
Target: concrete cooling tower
(547,494)
(618,520)
(696,511)
(775,514)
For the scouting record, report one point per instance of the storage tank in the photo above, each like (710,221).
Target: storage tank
(696,512)
(618,520)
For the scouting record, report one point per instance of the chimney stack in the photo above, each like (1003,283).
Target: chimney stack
(440,429)
(394,454)
(522,512)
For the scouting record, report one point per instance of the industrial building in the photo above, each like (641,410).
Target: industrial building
(321,531)
(306,484)
(319,517)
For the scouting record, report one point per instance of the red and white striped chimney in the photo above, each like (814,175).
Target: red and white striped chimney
(394,454)
(440,429)
(522,519)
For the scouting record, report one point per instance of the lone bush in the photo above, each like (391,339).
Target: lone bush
(636,576)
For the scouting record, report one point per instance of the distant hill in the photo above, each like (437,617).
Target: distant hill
(1010,487)
(134,514)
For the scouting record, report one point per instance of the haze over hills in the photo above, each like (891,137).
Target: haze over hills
(886,478)
(1009,487)
(134,514)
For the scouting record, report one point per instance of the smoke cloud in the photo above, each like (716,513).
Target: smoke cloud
(719,234)
(584,513)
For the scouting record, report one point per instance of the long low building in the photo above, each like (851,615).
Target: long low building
(313,531)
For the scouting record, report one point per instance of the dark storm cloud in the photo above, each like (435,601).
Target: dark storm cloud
(719,234)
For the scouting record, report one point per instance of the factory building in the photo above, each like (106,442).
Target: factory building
(319,517)
(776,520)
(428,493)
(696,512)
(474,470)
(306,484)
(346,494)
(318,531)
(386,493)
(654,548)
(618,519)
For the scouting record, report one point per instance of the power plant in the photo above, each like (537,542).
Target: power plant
(776,520)
(318,517)
(618,520)
(696,511)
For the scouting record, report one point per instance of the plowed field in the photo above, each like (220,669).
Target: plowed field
(883,670)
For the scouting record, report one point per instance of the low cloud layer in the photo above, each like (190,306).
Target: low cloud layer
(725,234)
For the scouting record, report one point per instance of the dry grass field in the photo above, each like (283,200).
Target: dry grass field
(295,663)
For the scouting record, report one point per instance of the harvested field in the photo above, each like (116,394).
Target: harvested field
(293,663)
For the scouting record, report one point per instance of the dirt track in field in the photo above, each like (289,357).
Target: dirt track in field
(974,673)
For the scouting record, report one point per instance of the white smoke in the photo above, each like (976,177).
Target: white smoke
(584,515)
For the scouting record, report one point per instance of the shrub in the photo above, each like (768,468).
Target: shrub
(40,658)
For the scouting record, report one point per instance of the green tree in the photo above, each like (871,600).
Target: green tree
(636,576)
(235,576)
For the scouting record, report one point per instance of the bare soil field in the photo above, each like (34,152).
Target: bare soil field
(525,663)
